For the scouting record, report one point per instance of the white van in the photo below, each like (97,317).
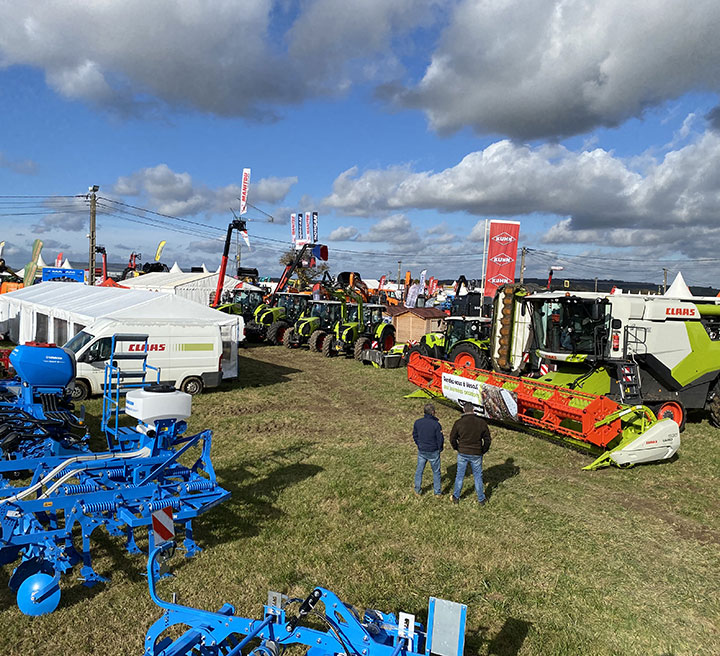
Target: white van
(190,356)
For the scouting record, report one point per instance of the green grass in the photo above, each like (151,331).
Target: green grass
(319,459)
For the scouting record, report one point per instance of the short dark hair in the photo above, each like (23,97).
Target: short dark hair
(429,409)
(468,407)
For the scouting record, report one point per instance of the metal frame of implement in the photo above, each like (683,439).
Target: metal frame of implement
(223,633)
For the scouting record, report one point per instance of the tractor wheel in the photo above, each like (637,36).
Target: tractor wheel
(128,273)
(415,352)
(388,340)
(671,410)
(276,332)
(192,385)
(468,355)
(328,347)
(81,391)
(288,338)
(317,340)
(361,344)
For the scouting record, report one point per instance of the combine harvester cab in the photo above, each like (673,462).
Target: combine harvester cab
(49,521)
(660,351)
(617,434)
(344,630)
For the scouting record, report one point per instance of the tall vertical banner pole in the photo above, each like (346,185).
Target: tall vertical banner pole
(485,235)
(244,191)
(315,236)
(307,226)
(292,229)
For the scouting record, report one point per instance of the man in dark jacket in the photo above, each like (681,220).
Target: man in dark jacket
(428,436)
(470,437)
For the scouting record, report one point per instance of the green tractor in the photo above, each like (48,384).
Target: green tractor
(465,342)
(362,326)
(314,325)
(271,321)
(244,302)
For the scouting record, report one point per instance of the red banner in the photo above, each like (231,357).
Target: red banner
(502,255)
(292,228)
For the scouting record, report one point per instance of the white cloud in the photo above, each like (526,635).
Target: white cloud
(343,233)
(564,67)
(177,194)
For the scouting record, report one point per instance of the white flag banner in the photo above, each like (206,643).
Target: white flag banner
(421,284)
(246,237)
(244,191)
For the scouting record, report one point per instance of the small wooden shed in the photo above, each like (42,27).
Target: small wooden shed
(413,323)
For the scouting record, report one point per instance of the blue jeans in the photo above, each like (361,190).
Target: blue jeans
(476,463)
(433,457)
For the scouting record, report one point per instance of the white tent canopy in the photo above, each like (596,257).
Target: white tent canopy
(56,311)
(175,268)
(679,288)
(198,287)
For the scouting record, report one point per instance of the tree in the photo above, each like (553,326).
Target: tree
(304,273)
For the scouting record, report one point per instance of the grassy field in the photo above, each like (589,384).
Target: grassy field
(319,459)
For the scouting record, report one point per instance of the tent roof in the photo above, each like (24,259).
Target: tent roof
(679,288)
(92,303)
(170,279)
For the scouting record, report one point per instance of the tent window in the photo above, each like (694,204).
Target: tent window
(78,327)
(59,331)
(41,330)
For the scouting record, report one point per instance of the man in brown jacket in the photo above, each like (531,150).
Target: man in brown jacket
(470,437)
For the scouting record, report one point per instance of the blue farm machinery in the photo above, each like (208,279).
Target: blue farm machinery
(47,520)
(292,621)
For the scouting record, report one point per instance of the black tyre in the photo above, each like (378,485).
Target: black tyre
(192,385)
(361,344)
(276,332)
(317,339)
(81,391)
(415,351)
(328,347)
(468,355)
(288,338)
(128,273)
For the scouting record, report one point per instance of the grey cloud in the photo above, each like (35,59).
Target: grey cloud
(24,166)
(543,69)
(177,194)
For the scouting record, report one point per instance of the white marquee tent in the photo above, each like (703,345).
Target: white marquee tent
(198,287)
(56,311)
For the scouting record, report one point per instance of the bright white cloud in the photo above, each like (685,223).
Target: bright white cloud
(343,233)
(599,197)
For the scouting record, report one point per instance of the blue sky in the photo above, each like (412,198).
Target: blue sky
(406,124)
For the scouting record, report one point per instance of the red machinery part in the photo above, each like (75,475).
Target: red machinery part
(570,413)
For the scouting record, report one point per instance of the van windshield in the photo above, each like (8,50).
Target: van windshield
(79,341)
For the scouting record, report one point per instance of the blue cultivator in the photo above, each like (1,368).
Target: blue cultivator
(344,630)
(118,490)
(37,420)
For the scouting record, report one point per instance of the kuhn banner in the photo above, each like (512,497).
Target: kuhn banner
(501,255)
(292,228)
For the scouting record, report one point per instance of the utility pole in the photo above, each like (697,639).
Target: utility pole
(595,284)
(93,206)
(399,273)
(522,265)
(664,280)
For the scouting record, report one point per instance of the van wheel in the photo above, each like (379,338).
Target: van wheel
(192,386)
(81,391)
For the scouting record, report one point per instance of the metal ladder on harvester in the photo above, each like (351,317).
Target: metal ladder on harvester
(628,376)
(125,370)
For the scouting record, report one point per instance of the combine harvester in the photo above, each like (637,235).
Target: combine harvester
(49,521)
(621,435)
(344,630)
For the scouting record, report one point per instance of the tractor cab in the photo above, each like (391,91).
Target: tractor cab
(314,324)
(458,329)
(243,302)
(568,327)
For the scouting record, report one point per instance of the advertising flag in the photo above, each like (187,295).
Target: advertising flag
(381,283)
(501,255)
(412,296)
(315,227)
(245,236)
(421,284)
(292,228)
(58,260)
(300,225)
(244,191)
(159,250)
(307,225)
